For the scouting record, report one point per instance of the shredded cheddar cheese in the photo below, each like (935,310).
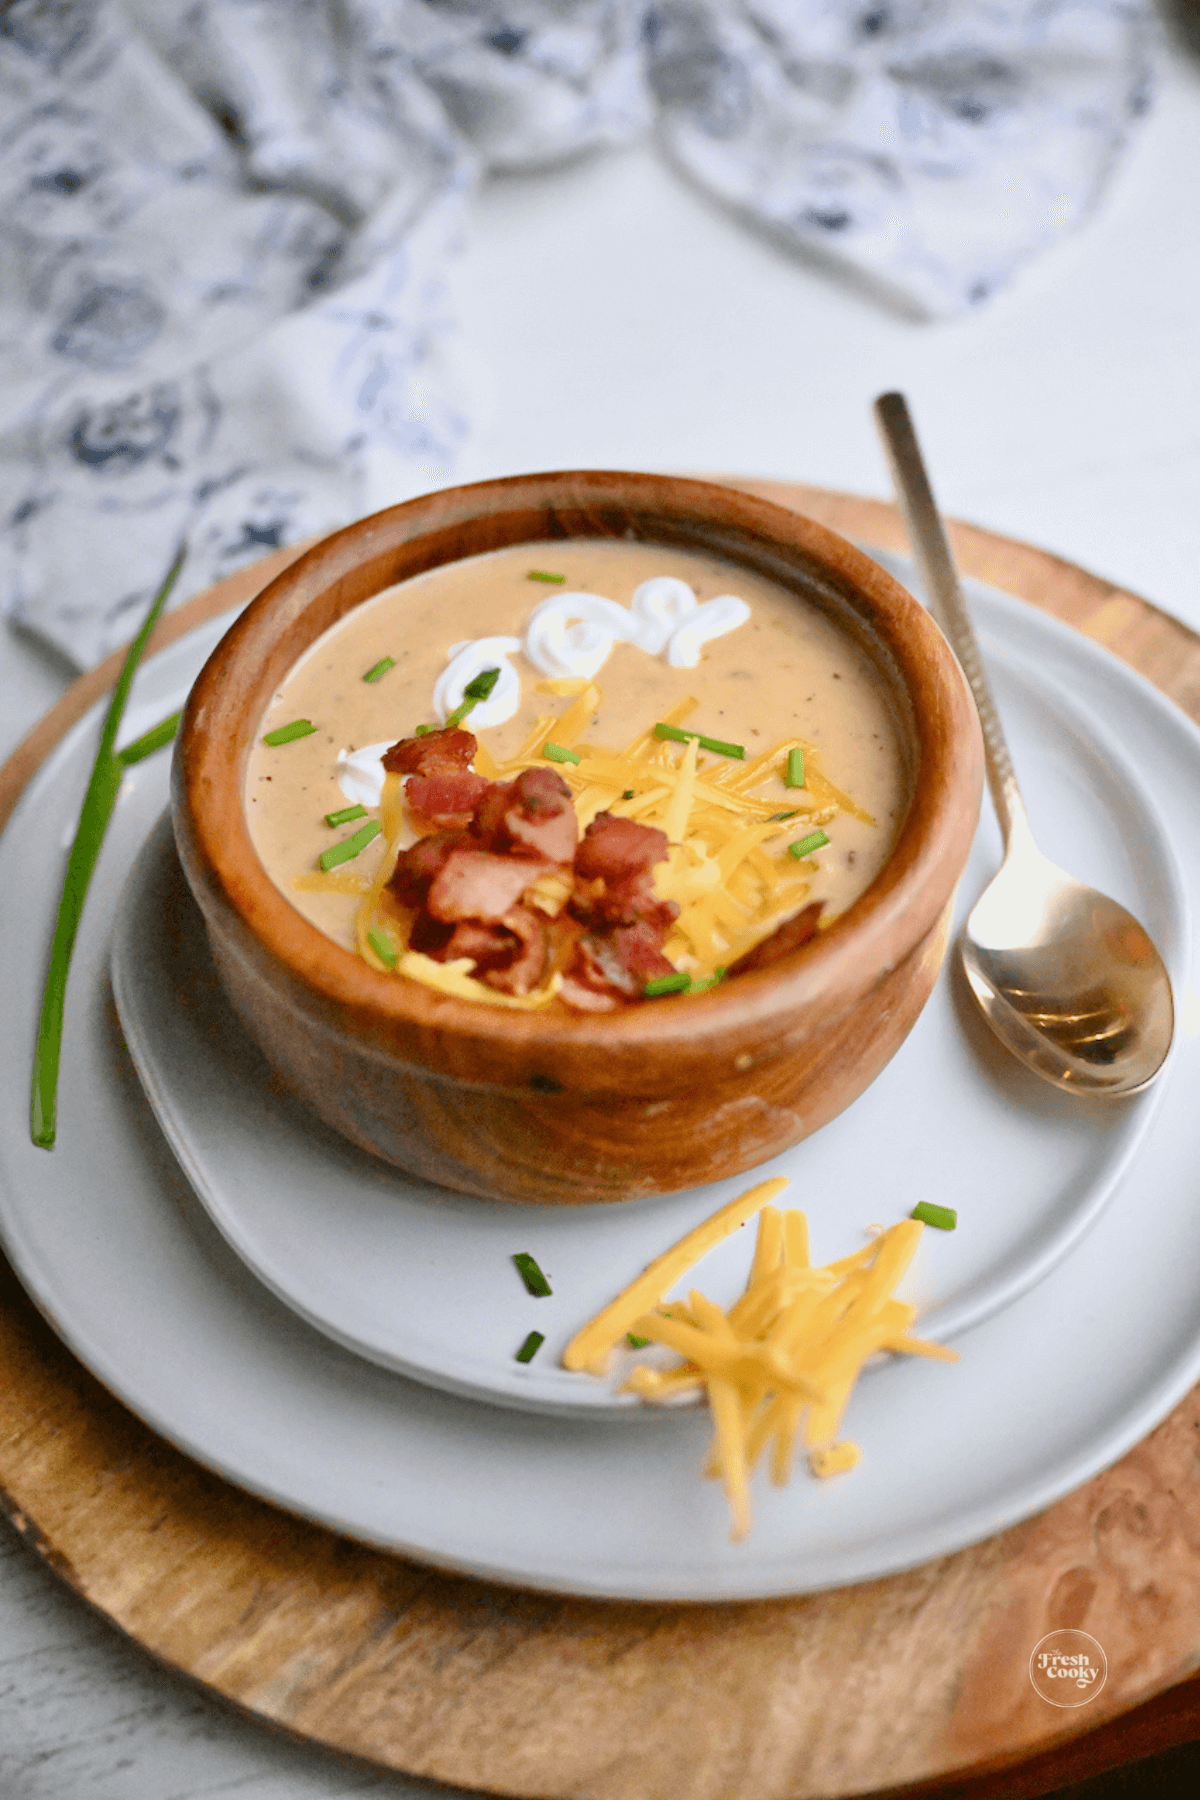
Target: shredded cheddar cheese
(456,978)
(836,1460)
(780,1365)
(589,1348)
(727,869)
(332,881)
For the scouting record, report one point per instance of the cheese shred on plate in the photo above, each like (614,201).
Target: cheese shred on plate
(779,1366)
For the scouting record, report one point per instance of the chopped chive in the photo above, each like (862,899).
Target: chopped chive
(806,845)
(795,769)
(477,689)
(481,685)
(628,794)
(776,817)
(531,1346)
(423,729)
(346,849)
(557,753)
(150,741)
(347,813)
(381,668)
(718,746)
(531,1275)
(544,575)
(384,949)
(668,984)
(287,734)
(635,1342)
(103,787)
(705,982)
(944,1217)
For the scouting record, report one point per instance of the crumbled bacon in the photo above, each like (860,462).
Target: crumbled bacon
(527,962)
(531,816)
(489,842)
(510,953)
(614,877)
(417,866)
(785,938)
(602,904)
(435,753)
(586,999)
(620,961)
(478,884)
(626,923)
(617,850)
(444,802)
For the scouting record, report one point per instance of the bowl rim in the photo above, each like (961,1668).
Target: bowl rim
(896,912)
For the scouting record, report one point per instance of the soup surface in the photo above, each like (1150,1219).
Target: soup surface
(596,642)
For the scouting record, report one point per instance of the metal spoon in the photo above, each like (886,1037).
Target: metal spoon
(1068,980)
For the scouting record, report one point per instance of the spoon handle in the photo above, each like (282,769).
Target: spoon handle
(935,565)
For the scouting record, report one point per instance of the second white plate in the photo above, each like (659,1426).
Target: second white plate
(422,1281)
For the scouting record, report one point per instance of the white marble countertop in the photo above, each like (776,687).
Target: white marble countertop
(615,318)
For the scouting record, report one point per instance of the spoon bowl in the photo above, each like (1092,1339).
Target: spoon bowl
(1066,977)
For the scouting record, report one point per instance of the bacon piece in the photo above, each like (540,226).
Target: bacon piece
(466,885)
(620,961)
(587,999)
(435,753)
(531,816)
(509,954)
(477,884)
(527,961)
(629,902)
(639,950)
(472,937)
(616,850)
(488,824)
(614,881)
(431,936)
(417,867)
(783,940)
(444,802)
(614,898)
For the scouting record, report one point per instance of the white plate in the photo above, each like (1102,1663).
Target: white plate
(422,1280)
(108,1238)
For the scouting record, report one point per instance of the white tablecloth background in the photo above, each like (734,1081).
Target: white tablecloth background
(227,228)
(1065,413)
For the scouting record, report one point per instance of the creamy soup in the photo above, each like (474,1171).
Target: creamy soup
(586,646)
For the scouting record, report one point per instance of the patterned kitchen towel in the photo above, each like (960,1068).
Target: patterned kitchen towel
(227,224)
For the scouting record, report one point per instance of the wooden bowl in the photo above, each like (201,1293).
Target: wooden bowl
(553,1106)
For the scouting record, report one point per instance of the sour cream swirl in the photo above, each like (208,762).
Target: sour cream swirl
(574,634)
(466,662)
(568,635)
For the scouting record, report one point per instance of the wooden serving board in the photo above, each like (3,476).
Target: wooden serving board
(918,1680)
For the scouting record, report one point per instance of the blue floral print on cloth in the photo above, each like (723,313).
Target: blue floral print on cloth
(227,225)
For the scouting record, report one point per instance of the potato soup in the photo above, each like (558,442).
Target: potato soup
(662,685)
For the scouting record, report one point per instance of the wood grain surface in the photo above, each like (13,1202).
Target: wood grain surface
(919,1681)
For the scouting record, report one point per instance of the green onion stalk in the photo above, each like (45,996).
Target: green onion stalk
(99,801)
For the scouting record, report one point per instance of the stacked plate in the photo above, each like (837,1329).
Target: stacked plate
(341,1339)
